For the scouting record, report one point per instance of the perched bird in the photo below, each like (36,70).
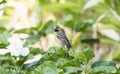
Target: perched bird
(60,33)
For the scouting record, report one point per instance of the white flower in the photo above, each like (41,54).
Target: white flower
(3,51)
(16,47)
(24,51)
(16,41)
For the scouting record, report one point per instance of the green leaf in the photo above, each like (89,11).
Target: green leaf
(21,61)
(32,30)
(2,29)
(118,71)
(61,52)
(54,53)
(116,55)
(49,57)
(4,38)
(47,68)
(72,70)
(35,51)
(117,4)
(88,53)
(72,52)
(73,63)
(2,23)
(43,2)
(84,25)
(53,49)
(68,21)
(46,28)
(90,40)
(6,58)
(62,63)
(5,69)
(103,66)
(31,39)
(109,41)
(56,7)
(85,55)
(81,56)
(80,26)
(108,2)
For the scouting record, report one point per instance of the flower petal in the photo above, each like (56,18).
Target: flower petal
(15,52)
(24,51)
(3,51)
(15,41)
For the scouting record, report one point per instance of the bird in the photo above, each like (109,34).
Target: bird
(60,34)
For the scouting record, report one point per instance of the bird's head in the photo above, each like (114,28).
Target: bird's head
(57,28)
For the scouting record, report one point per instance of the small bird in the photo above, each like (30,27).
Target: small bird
(60,33)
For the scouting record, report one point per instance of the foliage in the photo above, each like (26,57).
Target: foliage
(94,27)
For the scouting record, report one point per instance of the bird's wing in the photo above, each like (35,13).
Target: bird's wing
(61,36)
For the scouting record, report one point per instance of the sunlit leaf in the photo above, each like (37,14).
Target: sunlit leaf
(89,53)
(47,68)
(4,38)
(81,56)
(55,7)
(73,70)
(91,3)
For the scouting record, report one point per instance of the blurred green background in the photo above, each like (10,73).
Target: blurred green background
(87,23)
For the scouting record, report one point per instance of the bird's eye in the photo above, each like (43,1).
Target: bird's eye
(56,30)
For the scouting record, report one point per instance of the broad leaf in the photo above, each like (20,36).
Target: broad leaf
(103,66)
(88,53)
(47,68)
